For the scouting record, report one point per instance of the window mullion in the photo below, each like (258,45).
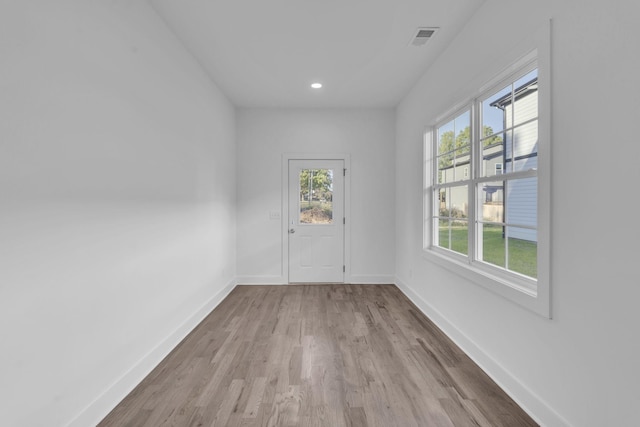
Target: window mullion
(434,163)
(529,173)
(435,193)
(475,137)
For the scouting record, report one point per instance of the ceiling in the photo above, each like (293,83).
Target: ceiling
(266,53)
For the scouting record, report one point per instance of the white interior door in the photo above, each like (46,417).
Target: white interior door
(316,221)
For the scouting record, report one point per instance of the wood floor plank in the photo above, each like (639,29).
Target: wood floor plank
(317,355)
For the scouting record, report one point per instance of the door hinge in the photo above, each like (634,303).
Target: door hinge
(344,220)
(344,172)
(344,269)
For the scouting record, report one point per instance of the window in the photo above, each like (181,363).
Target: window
(483,195)
(316,196)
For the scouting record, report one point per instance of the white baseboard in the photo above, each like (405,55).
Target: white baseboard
(280,280)
(103,404)
(261,280)
(530,402)
(366,279)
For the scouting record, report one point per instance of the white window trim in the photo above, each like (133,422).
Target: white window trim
(530,294)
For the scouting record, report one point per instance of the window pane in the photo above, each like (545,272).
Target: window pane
(511,106)
(442,202)
(463,121)
(463,149)
(493,155)
(508,152)
(443,198)
(453,226)
(526,98)
(454,148)
(493,245)
(463,130)
(490,139)
(522,202)
(462,127)
(527,78)
(443,234)
(463,153)
(491,196)
(493,115)
(461,169)
(445,168)
(523,251)
(525,146)
(453,235)
(525,163)
(446,136)
(459,202)
(316,196)
(460,236)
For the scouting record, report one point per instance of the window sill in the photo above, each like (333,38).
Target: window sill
(518,291)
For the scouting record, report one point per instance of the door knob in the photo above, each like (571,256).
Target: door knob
(291,231)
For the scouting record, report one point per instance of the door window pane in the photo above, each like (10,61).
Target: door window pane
(316,196)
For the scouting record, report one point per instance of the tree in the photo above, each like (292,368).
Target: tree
(462,141)
(495,139)
(461,144)
(446,143)
(321,181)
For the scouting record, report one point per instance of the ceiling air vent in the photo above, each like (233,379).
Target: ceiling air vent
(422,36)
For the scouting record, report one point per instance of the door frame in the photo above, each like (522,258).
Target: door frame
(284,228)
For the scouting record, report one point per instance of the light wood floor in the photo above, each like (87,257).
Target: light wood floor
(317,355)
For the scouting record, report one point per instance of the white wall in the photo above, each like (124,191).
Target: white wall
(117,194)
(581,367)
(265,134)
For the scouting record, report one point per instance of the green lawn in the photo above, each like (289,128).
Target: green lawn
(522,253)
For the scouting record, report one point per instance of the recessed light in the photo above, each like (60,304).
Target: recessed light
(316,85)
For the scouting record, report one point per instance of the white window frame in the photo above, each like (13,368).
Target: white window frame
(533,294)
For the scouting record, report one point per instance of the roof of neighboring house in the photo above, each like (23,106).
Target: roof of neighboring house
(520,92)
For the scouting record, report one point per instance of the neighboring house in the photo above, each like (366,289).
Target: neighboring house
(520,153)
